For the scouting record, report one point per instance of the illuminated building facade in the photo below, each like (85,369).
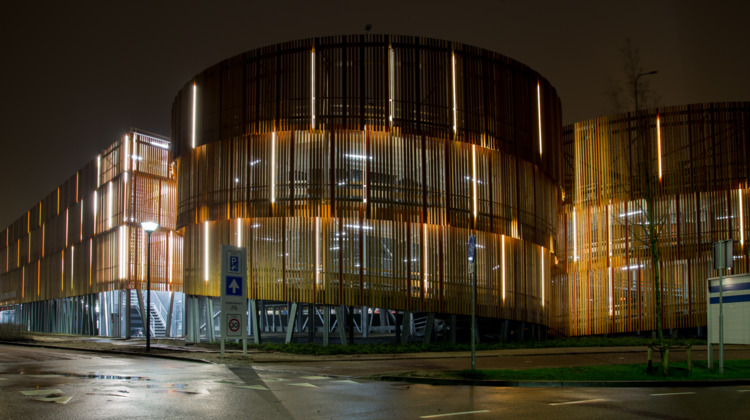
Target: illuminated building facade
(693,161)
(73,262)
(355,168)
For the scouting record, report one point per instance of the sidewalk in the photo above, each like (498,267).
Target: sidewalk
(419,367)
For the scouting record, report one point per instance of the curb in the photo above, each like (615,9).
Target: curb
(566,384)
(105,351)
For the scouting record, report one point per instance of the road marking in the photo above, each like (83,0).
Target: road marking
(346,381)
(224,381)
(42,392)
(46,376)
(672,393)
(577,402)
(275,380)
(315,378)
(305,384)
(57,400)
(432,416)
(261,387)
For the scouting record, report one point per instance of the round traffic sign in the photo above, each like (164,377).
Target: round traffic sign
(234,324)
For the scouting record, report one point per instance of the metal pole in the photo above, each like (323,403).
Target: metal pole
(721,324)
(473,313)
(148,293)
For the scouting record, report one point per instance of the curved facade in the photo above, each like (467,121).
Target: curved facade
(693,161)
(354,169)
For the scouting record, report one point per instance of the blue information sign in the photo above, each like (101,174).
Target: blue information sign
(234,286)
(472,247)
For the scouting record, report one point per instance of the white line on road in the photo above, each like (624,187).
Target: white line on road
(577,402)
(672,393)
(432,416)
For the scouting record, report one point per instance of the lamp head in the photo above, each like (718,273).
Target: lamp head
(149,226)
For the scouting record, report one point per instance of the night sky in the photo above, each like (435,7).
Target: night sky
(76,77)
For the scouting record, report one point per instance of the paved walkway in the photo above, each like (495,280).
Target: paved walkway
(368,365)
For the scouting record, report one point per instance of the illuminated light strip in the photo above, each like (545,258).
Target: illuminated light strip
(109,206)
(239,232)
(502,252)
(542,268)
(170,244)
(127,152)
(312,88)
(317,251)
(426,284)
(123,242)
(95,204)
(205,250)
(391,70)
(38,274)
(81,226)
(453,74)
(474,177)
(91,258)
(273,167)
(98,170)
(539,113)
(742,220)
(44,229)
(77,187)
(575,237)
(72,265)
(611,297)
(658,143)
(195,100)
(62,270)
(67,212)
(23,280)
(364,166)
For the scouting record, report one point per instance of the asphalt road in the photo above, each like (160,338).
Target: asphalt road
(41,383)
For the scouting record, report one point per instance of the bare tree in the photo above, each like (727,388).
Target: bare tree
(634,93)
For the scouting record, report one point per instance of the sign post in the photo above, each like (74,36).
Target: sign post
(723,258)
(473,277)
(233,295)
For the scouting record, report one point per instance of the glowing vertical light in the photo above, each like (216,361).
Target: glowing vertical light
(95,206)
(658,143)
(611,298)
(742,220)
(542,268)
(453,76)
(170,252)
(72,265)
(502,262)
(205,250)
(317,251)
(67,225)
(364,166)
(539,114)
(126,143)
(123,243)
(474,177)
(312,88)
(391,81)
(109,205)
(38,274)
(575,237)
(80,238)
(239,231)
(195,101)
(91,258)
(98,170)
(62,270)
(426,261)
(273,167)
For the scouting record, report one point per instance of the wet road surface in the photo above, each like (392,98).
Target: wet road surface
(42,383)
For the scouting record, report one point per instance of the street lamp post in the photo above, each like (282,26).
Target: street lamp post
(635,87)
(149,227)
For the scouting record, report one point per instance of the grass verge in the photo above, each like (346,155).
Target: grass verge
(733,369)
